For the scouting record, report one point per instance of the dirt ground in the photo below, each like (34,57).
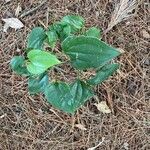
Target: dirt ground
(30,123)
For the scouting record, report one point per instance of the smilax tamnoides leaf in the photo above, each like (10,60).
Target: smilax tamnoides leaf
(64,44)
(40,61)
(88,52)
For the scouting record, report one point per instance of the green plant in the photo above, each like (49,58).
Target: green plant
(84,50)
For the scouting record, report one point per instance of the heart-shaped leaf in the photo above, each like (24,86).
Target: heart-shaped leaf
(37,84)
(88,52)
(36,38)
(103,74)
(62,30)
(68,98)
(17,64)
(57,26)
(52,38)
(74,21)
(58,94)
(94,32)
(40,61)
(65,32)
(81,93)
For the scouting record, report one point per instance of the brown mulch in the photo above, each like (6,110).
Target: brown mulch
(30,123)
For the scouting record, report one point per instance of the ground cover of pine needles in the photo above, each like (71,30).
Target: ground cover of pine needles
(30,123)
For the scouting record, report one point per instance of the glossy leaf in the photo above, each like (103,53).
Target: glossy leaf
(57,26)
(37,84)
(68,98)
(17,64)
(58,94)
(94,32)
(81,93)
(103,74)
(74,21)
(62,30)
(88,52)
(40,61)
(65,32)
(52,38)
(36,38)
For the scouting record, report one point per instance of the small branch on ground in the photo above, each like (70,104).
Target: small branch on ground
(33,9)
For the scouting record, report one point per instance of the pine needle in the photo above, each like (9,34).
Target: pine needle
(123,10)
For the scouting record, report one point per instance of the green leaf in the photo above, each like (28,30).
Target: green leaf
(81,93)
(37,84)
(57,26)
(62,30)
(74,21)
(58,94)
(40,61)
(103,74)
(65,33)
(88,52)
(68,98)
(36,38)
(94,32)
(67,30)
(17,64)
(52,38)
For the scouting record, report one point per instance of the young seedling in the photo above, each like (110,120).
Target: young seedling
(85,50)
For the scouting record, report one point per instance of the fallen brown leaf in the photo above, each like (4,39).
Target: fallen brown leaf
(13,23)
(102,107)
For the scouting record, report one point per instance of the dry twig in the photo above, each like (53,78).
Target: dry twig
(33,9)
